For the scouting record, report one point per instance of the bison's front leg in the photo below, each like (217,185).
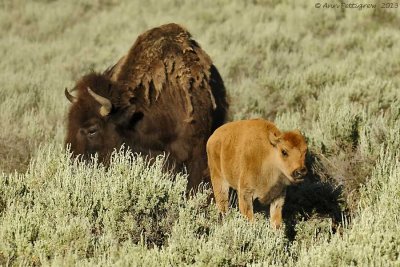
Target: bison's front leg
(246,202)
(197,166)
(276,211)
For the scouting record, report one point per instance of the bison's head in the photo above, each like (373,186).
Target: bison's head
(101,116)
(290,151)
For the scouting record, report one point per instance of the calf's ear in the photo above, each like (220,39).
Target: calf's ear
(273,138)
(297,131)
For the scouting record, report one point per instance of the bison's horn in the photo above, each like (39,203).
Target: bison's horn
(70,97)
(104,102)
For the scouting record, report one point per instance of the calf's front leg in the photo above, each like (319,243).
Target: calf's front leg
(275,211)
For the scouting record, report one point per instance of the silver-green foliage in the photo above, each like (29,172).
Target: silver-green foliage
(58,206)
(373,238)
(134,213)
(76,212)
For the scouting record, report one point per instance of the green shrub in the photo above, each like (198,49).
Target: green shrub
(59,207)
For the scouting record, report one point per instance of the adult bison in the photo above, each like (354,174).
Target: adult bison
(165,95)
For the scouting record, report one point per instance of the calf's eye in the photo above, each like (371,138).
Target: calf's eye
(284,153)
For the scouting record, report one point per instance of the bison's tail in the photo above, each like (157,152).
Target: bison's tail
(220,114)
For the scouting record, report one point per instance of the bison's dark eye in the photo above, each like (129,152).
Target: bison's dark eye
(92,131)
(284,153)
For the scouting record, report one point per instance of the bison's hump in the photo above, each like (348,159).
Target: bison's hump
(165,54)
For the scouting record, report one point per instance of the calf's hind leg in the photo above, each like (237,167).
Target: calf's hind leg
(221,190)
(246,203)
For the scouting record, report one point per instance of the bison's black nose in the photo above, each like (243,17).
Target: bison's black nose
(297,174)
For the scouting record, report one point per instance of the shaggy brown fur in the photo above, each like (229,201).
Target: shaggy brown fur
(166,95)
(257,160)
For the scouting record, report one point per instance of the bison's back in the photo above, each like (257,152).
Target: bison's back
(239,147)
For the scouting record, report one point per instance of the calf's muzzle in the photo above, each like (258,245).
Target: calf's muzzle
(299,173)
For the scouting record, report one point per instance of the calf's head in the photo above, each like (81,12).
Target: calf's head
(101,116)
(290,149)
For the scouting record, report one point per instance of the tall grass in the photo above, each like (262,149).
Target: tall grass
(333,73)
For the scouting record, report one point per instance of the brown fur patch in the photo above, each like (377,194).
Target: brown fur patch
(295,139)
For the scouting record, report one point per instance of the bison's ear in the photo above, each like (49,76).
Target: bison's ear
(128,117)
(273,138)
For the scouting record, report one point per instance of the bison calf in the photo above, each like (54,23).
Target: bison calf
(259,161)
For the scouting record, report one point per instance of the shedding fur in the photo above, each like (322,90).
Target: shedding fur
(161,55)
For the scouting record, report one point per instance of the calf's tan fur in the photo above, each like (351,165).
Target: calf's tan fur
(259,161)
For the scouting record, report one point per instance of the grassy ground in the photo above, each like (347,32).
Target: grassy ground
(332,72)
